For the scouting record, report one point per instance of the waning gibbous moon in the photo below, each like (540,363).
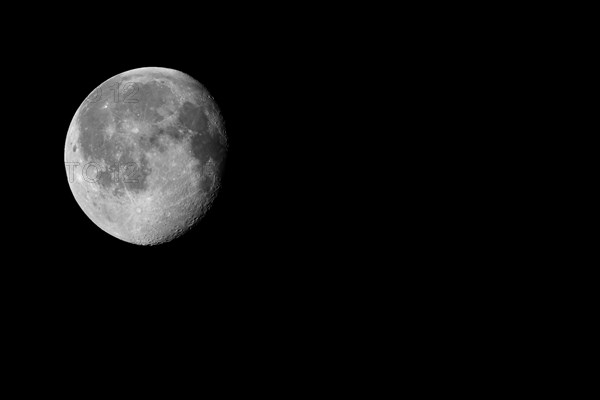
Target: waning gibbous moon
(145,154)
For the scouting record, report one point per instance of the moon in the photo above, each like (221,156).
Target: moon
(145,153)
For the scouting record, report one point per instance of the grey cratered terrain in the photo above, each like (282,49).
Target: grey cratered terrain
(144,154)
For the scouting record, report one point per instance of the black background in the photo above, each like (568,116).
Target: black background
(277,264)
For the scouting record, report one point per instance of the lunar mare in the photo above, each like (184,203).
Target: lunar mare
(145,154)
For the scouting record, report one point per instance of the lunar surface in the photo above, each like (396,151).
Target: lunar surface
(145,153)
